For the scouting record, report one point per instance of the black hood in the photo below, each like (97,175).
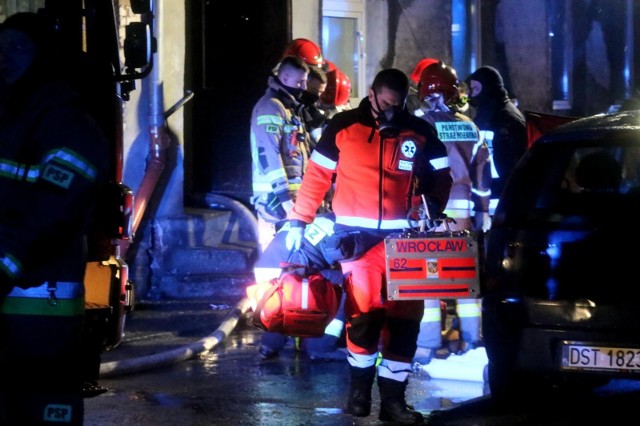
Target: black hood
(492,86)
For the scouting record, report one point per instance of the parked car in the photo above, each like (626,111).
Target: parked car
(561,280)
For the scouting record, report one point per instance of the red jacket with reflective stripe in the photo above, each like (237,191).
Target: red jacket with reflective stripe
(375,176)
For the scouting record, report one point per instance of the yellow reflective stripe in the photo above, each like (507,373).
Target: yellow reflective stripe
(469,310)
(266,187)
(269,119)
(431,315)
(276,174)
(32,306)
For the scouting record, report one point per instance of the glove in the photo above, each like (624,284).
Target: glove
(294,238)
(481,221)
(287,206)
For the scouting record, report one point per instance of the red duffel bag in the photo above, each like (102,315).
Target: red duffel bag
(296,304)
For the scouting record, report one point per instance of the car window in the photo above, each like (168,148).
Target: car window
(574,179)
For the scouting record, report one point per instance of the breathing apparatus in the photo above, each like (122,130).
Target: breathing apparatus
(388,120)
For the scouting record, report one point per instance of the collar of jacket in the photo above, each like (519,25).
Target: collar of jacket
(365,113)
(280,91)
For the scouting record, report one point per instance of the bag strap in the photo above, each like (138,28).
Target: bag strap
(256,313)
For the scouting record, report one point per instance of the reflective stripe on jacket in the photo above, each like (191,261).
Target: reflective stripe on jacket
(470,162)
(279,143)
(375,176)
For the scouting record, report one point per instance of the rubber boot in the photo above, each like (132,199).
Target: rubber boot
(359,403)
(393,406)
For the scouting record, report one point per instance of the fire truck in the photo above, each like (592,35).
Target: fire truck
(111,65)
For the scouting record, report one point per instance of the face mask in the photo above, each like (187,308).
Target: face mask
(296,92)
(308,98)
(387,120)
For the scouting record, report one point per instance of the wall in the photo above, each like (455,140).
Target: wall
(305,19)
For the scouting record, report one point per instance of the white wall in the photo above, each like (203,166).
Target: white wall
(305,16)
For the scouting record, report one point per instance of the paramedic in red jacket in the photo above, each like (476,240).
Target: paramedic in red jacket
(382,157)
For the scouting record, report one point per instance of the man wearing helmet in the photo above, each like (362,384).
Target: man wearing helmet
(469,159)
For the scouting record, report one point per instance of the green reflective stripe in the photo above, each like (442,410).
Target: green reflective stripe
(61,289)
(31,306)
(269,119)
(33,173)
(11,169)
(10,265)
(73,160)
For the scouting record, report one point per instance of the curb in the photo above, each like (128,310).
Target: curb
(182,353)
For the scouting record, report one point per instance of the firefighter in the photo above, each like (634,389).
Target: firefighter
(53,159)
(280,147)
(501,124)
(413,103)
(382,156)
(468,203)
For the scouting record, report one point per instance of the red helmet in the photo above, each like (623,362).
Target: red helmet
(306,50)
(338,88)
(330,65)
(415,75)
(439,78)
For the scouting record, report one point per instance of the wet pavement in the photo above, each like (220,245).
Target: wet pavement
(163,374)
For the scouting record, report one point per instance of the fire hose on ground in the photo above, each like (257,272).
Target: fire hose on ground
(182,353)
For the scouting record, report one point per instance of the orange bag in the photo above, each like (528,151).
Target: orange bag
(294,304)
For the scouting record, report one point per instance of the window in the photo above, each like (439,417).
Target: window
(343,41)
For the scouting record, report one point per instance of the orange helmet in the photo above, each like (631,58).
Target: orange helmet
(306,50)
(415,75)
(338,88)
(439,78)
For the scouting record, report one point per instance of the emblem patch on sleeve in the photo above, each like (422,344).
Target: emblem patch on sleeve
(272,128)
(57,176)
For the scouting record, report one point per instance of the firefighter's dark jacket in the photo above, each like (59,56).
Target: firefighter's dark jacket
(375,177)
(53,158)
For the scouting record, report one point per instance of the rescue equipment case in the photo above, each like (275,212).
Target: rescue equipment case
(433,265)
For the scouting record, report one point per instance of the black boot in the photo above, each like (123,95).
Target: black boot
(393,406)
(359,404)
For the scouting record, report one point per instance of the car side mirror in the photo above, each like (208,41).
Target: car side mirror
(137,45)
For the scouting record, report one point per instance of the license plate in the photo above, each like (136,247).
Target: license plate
(576,356)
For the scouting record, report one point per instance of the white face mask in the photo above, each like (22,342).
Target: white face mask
(17,52)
